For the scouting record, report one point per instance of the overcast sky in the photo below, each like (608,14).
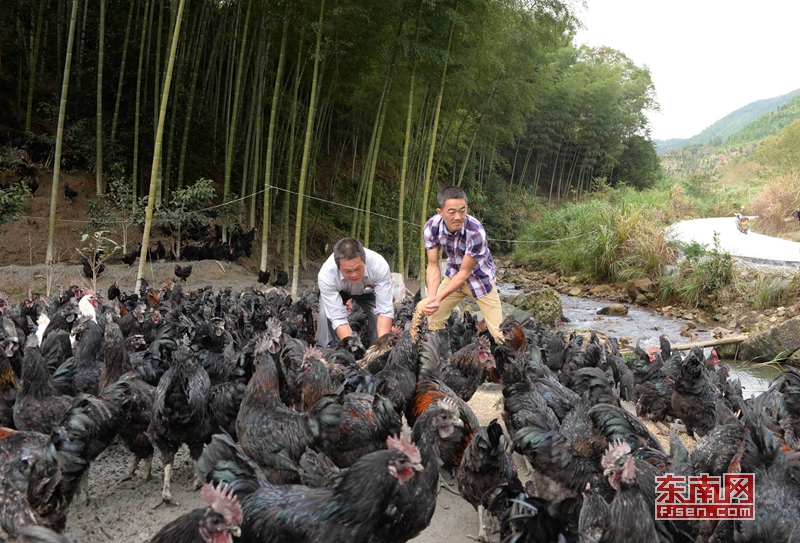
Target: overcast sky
(707,58)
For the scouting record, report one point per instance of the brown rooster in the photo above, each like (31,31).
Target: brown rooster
(465,371)
(430,388)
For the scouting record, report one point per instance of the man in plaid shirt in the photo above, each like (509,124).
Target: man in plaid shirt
(470,268)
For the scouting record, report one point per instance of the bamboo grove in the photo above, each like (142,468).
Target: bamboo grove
(321,118)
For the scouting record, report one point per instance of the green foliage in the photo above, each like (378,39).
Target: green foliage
(186,207)
(619,237)
(771,292)
(781,153)
(766,125)
(704,278)
(639,166)
(11,202)
(96,248)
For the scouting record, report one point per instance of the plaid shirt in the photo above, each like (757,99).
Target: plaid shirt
(471,240)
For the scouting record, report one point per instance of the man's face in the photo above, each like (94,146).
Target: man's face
(353,269)
(454,213)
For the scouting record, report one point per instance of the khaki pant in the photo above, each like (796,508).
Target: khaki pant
(488,304)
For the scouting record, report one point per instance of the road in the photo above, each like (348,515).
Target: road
(751,247)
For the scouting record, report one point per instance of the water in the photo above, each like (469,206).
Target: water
(646,327)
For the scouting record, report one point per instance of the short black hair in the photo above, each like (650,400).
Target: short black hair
(451,192)
(348,249)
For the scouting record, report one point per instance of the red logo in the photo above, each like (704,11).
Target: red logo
(730,497)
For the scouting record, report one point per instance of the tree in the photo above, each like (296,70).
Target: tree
(51,235)
(95,250)
(306,153)
(186,209)
(157,152)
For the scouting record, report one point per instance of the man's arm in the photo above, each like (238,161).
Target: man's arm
(344,331)
(433,278)
(467,263)
(384,325)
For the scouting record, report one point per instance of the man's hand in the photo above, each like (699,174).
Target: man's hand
(431,306)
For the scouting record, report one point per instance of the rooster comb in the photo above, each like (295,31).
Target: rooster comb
(312,352)
(616,450)
(400,444)
(483,341)
(447,404)
(223,501)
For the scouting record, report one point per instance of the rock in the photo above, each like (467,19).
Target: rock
(641,299)
(733,324)
(666,309)
(516,280)
(644,285)
(773,318)
(794,359)
(543,305)
(687,316)
(599,288)
(616,310)
(572,280)
(718,317)
(689,325)
(778,341)
(574,291)
(720,332)
(729,351)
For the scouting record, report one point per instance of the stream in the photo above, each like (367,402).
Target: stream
(646,326)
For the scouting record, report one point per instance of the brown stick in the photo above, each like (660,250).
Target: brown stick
(707,343)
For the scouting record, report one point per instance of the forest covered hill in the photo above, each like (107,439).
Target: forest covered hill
(728,125)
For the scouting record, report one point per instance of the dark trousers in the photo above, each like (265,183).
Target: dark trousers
(326,335)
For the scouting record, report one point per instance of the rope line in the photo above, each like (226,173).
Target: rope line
(346,206)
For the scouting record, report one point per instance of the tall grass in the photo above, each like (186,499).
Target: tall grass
(616,236)
(777,201)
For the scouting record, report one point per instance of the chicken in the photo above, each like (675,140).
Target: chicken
(366,421)
(275,436)
(281,278)
(374,360)
(593,518)
(81,373)
(39,407)
(397,381)
(411,510)
(217,523)
(91,271)
(184,272)
(114,292)
(630,517)
(41,473)
(486,465)
(465,371)
(180,412)
(777,498)
(130,257)
(9,388)
(298,514)
(263,277)
(694,398)
(69,192)
(713,454)
(430,389)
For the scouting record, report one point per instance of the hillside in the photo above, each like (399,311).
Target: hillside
(730,124)
(766,125)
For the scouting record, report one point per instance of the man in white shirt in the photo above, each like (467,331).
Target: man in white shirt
(353,272)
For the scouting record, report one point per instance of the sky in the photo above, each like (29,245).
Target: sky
(707,58)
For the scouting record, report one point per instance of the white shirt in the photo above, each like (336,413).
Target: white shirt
(377,277)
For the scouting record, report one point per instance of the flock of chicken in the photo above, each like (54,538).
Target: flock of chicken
(298,444)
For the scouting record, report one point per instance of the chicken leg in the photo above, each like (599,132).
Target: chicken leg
(166,493)
(482,527)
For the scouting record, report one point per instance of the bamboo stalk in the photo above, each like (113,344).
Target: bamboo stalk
(137,112)
(99,132)
(34,59)
(157,151)
(122,72)
(306,152)
(62,109)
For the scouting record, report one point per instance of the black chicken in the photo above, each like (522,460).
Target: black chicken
(281,278)
(486,465)
(113,291)
(184,272)
(213,524)
(181,412)
(69,192)
(347,514)
(33,185)
(39,406)
(89,270)
(694,398)
(130,257)
(263,277)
